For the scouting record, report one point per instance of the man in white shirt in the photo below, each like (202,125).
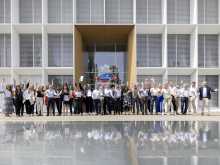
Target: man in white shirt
(192,98)
(118,100)
(184,99)
(96,96)
(107,99)
(51,93)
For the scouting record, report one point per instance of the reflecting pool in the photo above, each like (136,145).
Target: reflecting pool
(110,143)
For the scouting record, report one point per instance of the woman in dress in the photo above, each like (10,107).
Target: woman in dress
(66,99)
(8,101)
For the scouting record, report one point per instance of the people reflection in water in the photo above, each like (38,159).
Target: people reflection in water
(154,136)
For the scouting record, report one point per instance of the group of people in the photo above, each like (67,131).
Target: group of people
(145,98)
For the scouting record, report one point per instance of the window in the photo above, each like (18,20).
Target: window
(60,50)
(30,50)
(212,81)
(5,50)
(178,11)
(34,79)
(208,51)
(157,78)
(60,11)
(60,79)
(5,11)
(148,11)
(30,11)
(119,11)
(178,50)
(179,79)
(207,11)
(149,50)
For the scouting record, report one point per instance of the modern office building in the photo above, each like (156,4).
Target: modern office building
(60,40)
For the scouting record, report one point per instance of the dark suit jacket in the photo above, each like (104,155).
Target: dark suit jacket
(209,90)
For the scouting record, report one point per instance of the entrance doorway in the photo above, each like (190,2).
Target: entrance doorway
(105,54)
(105,63)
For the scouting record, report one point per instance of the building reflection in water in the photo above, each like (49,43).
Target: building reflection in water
(110,143)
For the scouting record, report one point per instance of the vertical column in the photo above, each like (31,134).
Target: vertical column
(164,53)
(219,11)
(193,11)
(164,11)
(44,11)
(15,11)
(134,11)
(74,52)
(44,53)
(218,66)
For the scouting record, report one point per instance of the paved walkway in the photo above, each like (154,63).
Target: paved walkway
(197,117)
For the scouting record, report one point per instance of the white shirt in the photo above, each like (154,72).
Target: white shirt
(154,91)
(118,93)
(96,94)
(184,92)
(2,87)
(27,95)
(7,93)
(89,93)
(50,93)
(192,91)
(204,92)
(107,92)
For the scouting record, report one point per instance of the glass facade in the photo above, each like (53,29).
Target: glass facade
(30,11)
(108,11)
(5,50)
(208,11)
(148,11)
(178,11)
(59,80)
(5,11)
(103,59)
(208,54)
(178,50)
(30,50)
(180,79)
(60,50)
(149,50)
(60,11)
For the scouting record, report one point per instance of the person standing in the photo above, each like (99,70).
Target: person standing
(66,98)
(141,98)
(89,103)
(174,101)
(107,100)
(154,94)
(18,101)
(192,98)
(8,101)
(135,100)
(50,93)
(184,99)
(2,96)
(96,96)
(167,98)
(27,100)
(78,101)
(205,96)
(40,100)
(118,98)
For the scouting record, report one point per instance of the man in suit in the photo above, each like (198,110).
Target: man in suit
(205,96)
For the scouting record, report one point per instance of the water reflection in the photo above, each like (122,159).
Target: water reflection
(118,143)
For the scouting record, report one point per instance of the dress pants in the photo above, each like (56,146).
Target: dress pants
(89,105)
(19,108)
(50,103)
(205,105)
(97,106)
(136,105)
(107,105)
(28,107)
(148,105)
(184,104)
(78,106)
(192,104)
(58,102)
(153,103)
(174,103)
(40,104)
